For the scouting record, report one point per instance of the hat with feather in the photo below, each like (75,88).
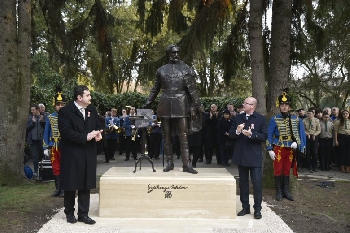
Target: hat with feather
(59,97)
(284,98)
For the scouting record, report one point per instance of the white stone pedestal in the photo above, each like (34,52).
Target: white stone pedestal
(210,194)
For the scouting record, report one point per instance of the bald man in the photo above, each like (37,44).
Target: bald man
(250,131)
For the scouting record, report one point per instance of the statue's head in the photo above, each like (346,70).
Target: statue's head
(172,52)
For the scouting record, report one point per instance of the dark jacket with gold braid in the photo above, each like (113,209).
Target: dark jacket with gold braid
(51,133)
(279,132)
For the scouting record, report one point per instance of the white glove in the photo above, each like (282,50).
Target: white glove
(272,154)
(294,145)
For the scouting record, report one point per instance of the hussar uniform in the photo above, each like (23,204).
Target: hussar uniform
(52,140)
(284,130)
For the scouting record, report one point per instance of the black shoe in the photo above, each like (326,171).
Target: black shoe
(86,220)
(257,214)
(243,212)
(194,165)
(107,161)
(200,160)
(311,171)
(127,159)
(71,219)
(112,158)
(315,170)
(135,158)
(226,164)
(157,157)
(208,162)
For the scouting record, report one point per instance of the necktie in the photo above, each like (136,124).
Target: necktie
(346,124)
(82,110)
(325,126)
(247,117)
(310,124)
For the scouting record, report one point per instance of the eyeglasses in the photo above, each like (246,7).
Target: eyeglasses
(248,103)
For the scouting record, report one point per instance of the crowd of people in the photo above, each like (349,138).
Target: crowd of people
(327,132)
(75,134)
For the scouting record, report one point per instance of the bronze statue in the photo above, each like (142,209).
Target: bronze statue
(179,101)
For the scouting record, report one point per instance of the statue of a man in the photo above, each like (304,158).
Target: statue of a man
(179,100)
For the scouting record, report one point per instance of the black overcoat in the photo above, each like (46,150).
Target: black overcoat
(78,156)
(248,151)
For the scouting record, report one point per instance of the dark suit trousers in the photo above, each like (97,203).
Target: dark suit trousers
(83,202)
(112,146)
(311,153)
(256,177)
(325,149)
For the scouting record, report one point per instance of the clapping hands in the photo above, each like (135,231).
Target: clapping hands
(97,134)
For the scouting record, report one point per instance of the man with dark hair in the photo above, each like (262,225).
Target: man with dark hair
(34,135)
(179,98)
(80,129)
(301,113)
(312,130)
(112,124)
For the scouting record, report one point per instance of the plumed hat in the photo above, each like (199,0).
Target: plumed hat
(284,98)
(59,97)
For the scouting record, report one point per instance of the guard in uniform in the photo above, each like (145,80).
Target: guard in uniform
(285,135)
(52,138)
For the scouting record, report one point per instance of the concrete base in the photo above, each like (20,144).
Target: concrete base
(210,194)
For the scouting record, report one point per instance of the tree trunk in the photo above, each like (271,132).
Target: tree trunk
(15,81)
(279,66)
(280,51)
(257,55)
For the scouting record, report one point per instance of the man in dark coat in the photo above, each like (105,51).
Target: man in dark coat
(80,129)
(178,101)
(250,131)
(211,130)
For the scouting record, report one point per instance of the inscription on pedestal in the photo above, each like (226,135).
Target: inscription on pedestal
(165,189)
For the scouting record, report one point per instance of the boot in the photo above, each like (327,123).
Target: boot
(188,168)
(168,151)
(57,185)
(185,155)
(61,193)
(278,188)
(286,193)
(342,168)
(170,165)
